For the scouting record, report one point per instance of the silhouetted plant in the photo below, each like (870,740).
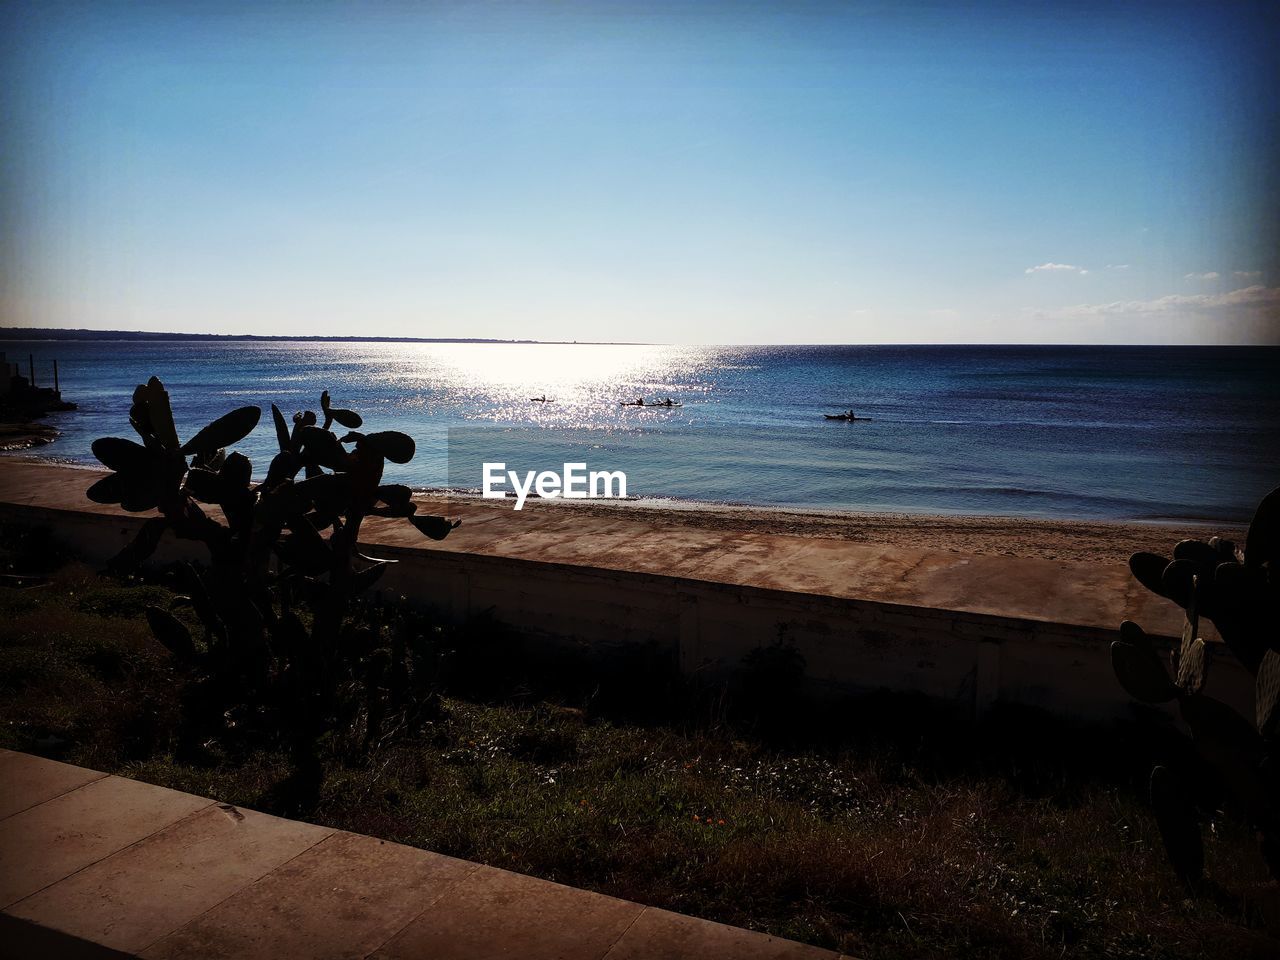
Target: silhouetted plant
(1239,591)
(285,651)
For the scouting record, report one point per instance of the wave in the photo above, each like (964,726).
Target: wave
(258,393)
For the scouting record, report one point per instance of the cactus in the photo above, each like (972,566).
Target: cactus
(1179,827)
(285,640)
(1239,591)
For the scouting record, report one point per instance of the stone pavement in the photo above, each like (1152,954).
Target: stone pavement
(99,866)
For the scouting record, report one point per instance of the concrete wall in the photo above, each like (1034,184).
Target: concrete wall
(709,627)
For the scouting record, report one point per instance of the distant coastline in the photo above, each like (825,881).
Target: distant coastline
(32,334)
(76,334)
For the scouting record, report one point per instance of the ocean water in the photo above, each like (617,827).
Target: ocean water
(1138,433)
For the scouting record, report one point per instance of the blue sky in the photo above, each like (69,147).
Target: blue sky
(706,173)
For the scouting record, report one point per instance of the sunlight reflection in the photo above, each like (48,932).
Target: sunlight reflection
(583,383)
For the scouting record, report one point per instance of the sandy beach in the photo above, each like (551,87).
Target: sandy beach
(1076,540)
(1108,542)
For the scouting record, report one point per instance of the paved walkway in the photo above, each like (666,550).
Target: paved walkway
(98,866)
(1056,591)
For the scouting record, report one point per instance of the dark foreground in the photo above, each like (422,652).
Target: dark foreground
(882,830)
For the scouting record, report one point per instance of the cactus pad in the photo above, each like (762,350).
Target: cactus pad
(1268,693)
(1262,544)
(1141,673)
(1148,570)
(1193,667)
(1197,551)
(1179,827)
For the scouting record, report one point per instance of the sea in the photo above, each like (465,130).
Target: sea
(1121,433)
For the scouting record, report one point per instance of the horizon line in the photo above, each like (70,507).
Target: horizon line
(85,334)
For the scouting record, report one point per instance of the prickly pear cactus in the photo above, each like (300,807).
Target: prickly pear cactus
(281,643)
(1179,826)
(1239,591)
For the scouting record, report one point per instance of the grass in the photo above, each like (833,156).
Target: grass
(898,833)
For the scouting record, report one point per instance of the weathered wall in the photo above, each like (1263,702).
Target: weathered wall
(709,627)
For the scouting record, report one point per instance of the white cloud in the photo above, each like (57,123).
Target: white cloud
(1180,301)
(1211,275)
(1056,268)
(1117,266)
(1248,315)
(1247,274)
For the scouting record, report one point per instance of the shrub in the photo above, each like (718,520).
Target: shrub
(284,649)
(1239,590)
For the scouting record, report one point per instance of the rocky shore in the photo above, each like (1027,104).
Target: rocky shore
(24,435)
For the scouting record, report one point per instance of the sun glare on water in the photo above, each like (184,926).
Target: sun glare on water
(583,384)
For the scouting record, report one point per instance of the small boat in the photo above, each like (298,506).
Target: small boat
(849,415)
(542,399)
(657,404)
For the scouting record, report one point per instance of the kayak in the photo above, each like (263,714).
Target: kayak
(843,416)
(652,406)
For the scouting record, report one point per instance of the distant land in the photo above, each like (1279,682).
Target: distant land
(10,334)
(59,333)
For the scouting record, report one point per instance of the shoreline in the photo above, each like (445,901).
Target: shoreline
(1087,540)
(18,437)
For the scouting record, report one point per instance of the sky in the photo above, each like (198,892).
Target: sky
(686,172)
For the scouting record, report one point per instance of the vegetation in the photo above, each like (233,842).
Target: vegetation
(885,827)
(1234,759)
(906,834)
(283,656)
